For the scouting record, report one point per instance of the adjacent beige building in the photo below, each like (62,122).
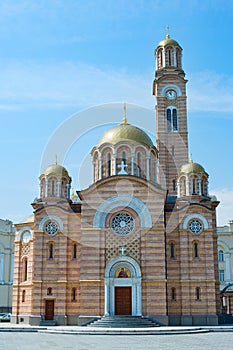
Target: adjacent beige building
(225,261)
(7,236)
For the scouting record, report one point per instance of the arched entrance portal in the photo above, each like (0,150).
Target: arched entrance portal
(123,294)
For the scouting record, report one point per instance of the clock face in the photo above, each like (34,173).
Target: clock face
(26,237)
(171,94)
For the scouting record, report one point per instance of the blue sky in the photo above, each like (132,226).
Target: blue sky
(59,58)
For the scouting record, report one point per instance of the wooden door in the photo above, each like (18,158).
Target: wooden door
(49,309)
(123,300)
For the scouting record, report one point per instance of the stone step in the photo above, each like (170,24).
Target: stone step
(48,323)
(123,322)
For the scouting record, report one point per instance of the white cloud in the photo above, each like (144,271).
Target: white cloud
(225,208)
(75,84)
(23,84)
(209,91)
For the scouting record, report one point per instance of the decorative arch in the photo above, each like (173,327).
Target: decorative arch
(134,282)
(22,230)
(122,201)
(195,216)
(52,218)
(132,265)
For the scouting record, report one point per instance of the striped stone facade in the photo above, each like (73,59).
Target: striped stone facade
(131,233)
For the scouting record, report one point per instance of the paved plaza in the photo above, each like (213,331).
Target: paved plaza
(38,341)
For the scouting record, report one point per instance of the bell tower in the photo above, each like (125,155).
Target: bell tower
(169,89)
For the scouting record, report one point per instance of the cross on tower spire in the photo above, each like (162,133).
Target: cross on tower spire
(167,32)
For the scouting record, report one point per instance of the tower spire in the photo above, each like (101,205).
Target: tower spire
(167,31)
(124,120)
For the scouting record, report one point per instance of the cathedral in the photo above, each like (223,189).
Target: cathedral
(141,240)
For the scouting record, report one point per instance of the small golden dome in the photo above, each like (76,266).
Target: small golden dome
(125,132)
(56,169)
(191,167)
(168,41)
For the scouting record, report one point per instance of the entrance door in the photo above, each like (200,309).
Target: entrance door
(49,309)
(123,300)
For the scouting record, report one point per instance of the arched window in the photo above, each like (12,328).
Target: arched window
(194,186)
(53,188)
(49,291)
(73,294)
(172,250)
(173,293)
(220,256)
(169,56)
(221,275)
(23,296)
(160,59)
(124,157)
(198,293)
(25,269)
(195,250)
(109,165)
(50,250)
(75,251)
(172,119)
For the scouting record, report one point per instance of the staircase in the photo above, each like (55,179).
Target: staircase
(48,323)
(123,322)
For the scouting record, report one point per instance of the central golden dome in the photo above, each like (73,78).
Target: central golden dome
(125,132)
(168,41)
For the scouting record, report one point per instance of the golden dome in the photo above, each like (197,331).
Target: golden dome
(56,169)
(125,132)
(168,41)
(191,167)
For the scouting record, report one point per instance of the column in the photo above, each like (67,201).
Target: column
(178,189)
(148,167)
(175,61)
(187,187)
(164,58)
(68,191)
(207,188)
(132,163)
(114,164)
(46,188)
(41,190)
(100,168)
(228,267)
(59,189)
(199,187)
(106,298)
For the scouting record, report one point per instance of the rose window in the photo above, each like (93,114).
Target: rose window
(122,224)
(51,228)
(195,226)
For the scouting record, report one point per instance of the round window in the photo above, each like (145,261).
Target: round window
(122,224)
(51,228)
(195,226)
